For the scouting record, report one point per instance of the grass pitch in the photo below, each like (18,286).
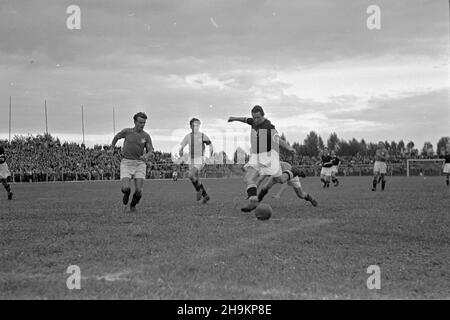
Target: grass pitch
(176,248)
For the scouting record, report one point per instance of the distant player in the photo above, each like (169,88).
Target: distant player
(335,168)
(380,166)
(264,158)
(327,164)
(197,141)
(446,168)
(4,173)
(133,164)
(175,176)
(289,177)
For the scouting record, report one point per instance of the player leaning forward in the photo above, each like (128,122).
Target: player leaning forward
(4,173)
(133,164)
(264,158)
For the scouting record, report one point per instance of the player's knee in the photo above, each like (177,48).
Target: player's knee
(126,189)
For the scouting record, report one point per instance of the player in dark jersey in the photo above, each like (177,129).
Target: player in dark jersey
(446,168)
(264,158)
(4,173)
(380,166)
(327,164)
(197,141)
(133,164)
(334,169)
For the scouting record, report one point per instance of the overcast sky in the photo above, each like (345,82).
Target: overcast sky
(312,65)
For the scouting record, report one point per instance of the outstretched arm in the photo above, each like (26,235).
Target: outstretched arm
(241,119)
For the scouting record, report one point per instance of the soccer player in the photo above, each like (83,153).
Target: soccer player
(133,164)
(4,173)
(289,177)
(380,166)
(327,164)
(264,158)
(446,169)
(197,142)
(175,175)
(334,169)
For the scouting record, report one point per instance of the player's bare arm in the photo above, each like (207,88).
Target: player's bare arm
(240,119)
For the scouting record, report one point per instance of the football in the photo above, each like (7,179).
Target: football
(263,211)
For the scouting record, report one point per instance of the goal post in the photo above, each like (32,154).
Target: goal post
(423,163)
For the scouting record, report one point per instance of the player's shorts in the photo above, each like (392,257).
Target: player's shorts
(334,169)
(266,163)
(326,171)
(380,167)
(447,168)
(4,171)
(197,163)
(130,168)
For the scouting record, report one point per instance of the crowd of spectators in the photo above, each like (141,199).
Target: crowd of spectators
(44,158)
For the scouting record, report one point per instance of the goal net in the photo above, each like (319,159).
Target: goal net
(424,167)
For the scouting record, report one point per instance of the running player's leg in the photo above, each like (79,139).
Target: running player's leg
(251,178)
(267,186)
(376,174)
(383,181)
(333,177)
(137,195)
(7,187)
(126,190)
(306,196)
(194,174)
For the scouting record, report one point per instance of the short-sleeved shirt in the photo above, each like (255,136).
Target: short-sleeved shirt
(134,145)
(326,159)
(381,155)
(197,143)
(262,138)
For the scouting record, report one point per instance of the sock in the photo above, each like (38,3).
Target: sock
(448,180)
(7,186)
(383,184)
(308,197)
(262,194)
(136,197)
(374,184)
(196,185)
(251,192)
(204,194)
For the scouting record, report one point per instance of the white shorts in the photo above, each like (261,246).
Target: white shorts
(130,168)
(334,169)
(447,168)
(326,171)
(266,163)
(4,171)
(197,163)
(380,167)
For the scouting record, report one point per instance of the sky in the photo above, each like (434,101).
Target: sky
(312,65)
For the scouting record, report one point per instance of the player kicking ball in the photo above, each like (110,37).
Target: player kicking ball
(290,177)
(380,167)
(197,141)
(4,173)
(133,164)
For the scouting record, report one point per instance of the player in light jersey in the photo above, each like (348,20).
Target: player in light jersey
(4,173)
(446,168)
(133,164)
(175,175)
(290,177)
(380,166)
(264,158)
(197,141)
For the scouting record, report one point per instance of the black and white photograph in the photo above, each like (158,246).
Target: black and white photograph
(247,151)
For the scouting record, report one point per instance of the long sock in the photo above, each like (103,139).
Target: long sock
(7,186)
(196,185)
(251,192)
(204,194)
(308,197)
(374,183)
(448,182)
(383,184)
(262,194)
(136,197)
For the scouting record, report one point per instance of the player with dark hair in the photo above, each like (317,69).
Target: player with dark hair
(335,161)
(327,164)
(290,177)
(4,173)
(380,166)
(133,164)
(264,158)
(197,141)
